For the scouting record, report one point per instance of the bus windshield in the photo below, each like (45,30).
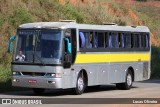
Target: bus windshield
(38,46)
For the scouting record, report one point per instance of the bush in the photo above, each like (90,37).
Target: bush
(155,62)
(1,20)
(5,73)
(20,16)
(120,22)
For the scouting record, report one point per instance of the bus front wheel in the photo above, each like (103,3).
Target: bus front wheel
(80,84)
(128,82)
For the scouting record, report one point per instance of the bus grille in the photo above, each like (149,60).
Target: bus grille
(33,73)
(145,70)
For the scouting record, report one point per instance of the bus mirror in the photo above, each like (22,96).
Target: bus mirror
(11,39)
(67,64)
(67,45)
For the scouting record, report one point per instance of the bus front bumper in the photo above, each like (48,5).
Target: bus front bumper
(37,82)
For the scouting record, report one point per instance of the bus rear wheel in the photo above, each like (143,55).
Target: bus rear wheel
(38,91)
(128,82)
(80,84)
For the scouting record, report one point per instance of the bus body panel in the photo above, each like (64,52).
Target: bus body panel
(98,74)
(39,74)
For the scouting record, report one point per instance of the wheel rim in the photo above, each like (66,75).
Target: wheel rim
(129,79)
(80,84)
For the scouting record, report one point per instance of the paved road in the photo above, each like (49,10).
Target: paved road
(145,89)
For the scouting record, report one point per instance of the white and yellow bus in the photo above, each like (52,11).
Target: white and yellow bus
(60,55)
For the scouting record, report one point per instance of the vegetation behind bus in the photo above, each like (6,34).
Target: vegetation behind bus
(18,12)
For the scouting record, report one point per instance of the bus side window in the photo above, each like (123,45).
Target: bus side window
(110,40)
(127,40)
(136,40)
(114,38)
(87,40)
(106,40)
(91,39)
(95,38)
(132,40)
(122,40)
(147,40)
(81,40)
(101,40)
(143,41)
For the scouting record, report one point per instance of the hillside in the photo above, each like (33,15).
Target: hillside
(122,12)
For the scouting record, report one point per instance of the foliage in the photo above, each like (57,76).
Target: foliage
(1,19)
(155,62)
(5,73)
(20,16)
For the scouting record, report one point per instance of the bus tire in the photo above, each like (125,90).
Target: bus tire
(128,82)
(80,84)
(38,91)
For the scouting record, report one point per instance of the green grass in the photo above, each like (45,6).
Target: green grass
(150,17)
(5,77)
(5,81)
(5,74)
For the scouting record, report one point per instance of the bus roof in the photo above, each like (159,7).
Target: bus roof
(65,25)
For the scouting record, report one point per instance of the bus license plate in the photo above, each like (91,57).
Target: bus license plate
(32,81)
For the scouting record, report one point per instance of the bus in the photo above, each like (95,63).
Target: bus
(66,54)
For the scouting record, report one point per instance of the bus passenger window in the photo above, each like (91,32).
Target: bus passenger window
(136,40)
(106,40)
(87,40)
(147,40)
(127,40)
(140,40)
(110,40)
(143,41)
(101,40)
(81,40)
(122,40)
(114,40)
(91,40)
(132,40)
(95,38)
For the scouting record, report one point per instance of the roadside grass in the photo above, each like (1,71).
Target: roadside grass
(150,17)
(5,81)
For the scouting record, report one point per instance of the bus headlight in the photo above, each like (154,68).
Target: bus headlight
(58,75)
(15,80)
(16,73)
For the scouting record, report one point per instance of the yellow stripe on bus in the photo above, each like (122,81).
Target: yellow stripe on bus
(102,58)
